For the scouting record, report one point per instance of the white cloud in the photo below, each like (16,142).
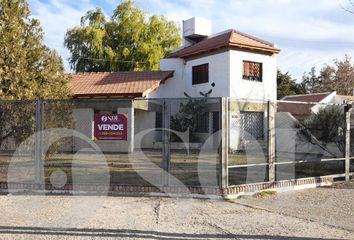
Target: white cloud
(310,33)
(56,17)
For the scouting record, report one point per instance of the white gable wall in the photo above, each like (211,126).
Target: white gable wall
(175,86)
(225,70)
(252,90)
(219,73)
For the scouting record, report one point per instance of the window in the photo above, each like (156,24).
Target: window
(252,71)
(158,120)
(200,74)
(252,125)
(202,124)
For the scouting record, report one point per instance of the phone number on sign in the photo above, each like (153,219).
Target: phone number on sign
(111,134)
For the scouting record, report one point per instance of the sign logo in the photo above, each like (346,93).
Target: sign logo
(104,118)
(111,127)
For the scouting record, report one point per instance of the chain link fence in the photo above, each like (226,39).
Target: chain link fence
(17,124)
(311,140)
(171,142)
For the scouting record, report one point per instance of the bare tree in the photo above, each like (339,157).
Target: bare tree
(349,7)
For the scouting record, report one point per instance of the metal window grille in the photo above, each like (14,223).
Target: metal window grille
(252,71)
(253,124)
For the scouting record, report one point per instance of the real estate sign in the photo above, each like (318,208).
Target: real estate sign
(110,127)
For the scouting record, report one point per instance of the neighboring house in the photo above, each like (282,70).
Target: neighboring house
(231,64)
(291,110)
(344,99)
(301,106)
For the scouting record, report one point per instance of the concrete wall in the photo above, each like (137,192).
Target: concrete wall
(145,120)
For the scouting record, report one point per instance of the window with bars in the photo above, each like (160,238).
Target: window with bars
(252,71)
(200,74)
(252,125)
(202,124)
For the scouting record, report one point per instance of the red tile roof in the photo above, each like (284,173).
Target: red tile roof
(317,97)
(230,38)
(296,109)
(117,84)
(300,109)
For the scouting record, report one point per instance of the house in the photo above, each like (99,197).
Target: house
(229,64)
(291,111)
(302,106)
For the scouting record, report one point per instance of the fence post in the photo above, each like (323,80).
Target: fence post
(271,140)
(166,151)
(224,146)
(347,110)
(38,152)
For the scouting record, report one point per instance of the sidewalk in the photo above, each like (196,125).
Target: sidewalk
(66,217)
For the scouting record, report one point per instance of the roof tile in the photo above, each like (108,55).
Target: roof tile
(119,84)
(230,38)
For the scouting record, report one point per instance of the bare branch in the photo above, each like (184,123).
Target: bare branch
(348,9)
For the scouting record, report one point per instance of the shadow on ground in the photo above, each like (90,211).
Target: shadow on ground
(120,233)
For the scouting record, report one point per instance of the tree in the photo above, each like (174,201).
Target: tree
(328,125)
(29,70)
(129,40)
(350,7)
(311,83)
(189,112)
(338,77)
(287,85)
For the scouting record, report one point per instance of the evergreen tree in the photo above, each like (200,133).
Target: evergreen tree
(28,68)
(286,85)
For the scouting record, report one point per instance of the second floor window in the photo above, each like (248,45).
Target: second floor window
(200,74)
(252,71)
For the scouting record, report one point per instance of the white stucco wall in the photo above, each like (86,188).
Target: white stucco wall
(252,90)
(219,73)
(173,87)
(225,70)
(330,99)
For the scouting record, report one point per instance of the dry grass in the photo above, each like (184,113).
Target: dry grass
(266,194)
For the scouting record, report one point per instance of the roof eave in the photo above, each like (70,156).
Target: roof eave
(263,49)
(107,95)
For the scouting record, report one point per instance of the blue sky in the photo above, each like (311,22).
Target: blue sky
(309,32)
